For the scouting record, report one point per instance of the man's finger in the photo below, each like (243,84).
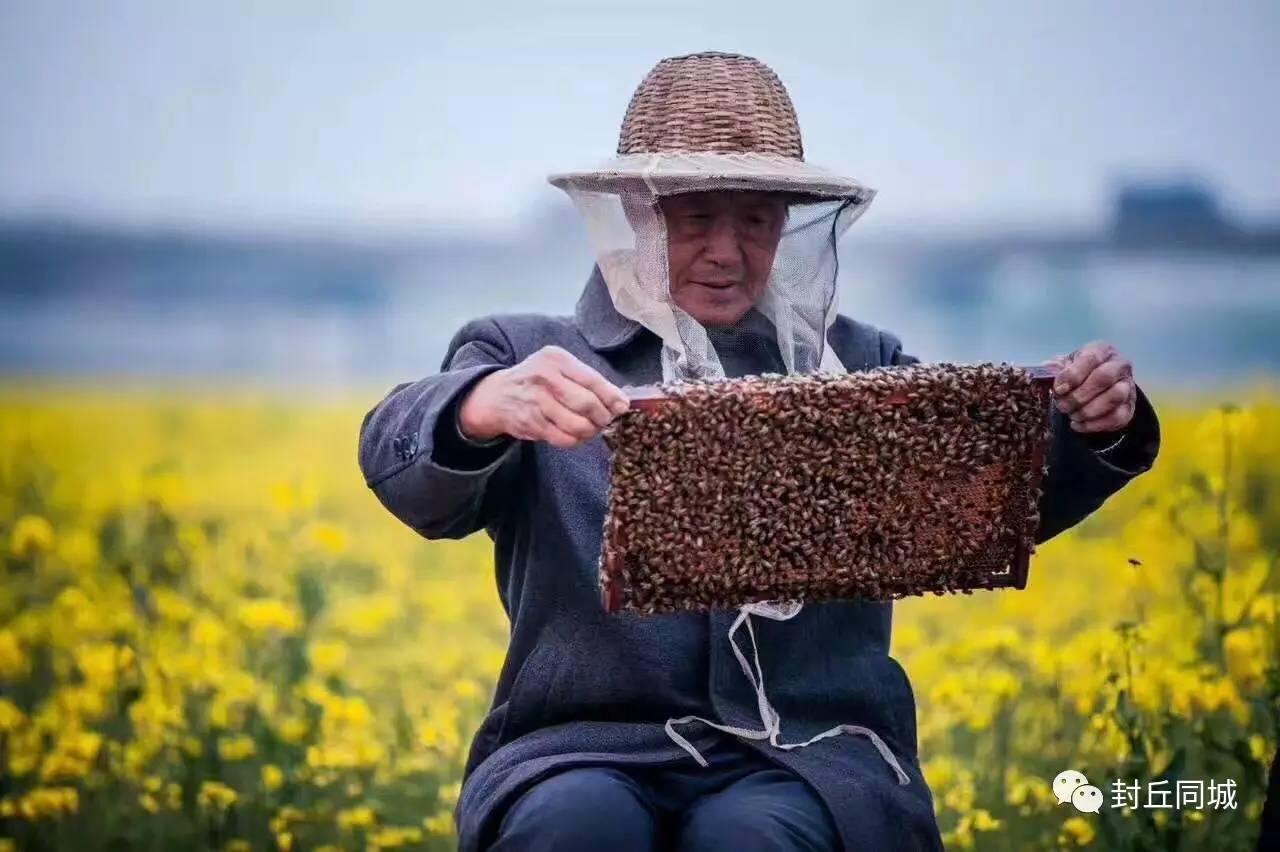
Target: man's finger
(1103,377)
(532,425)
(1107,401)
(1112,422)
(609,394)
(1086,359)
(565,418)
(579,399)
(1055,365)
(550,431)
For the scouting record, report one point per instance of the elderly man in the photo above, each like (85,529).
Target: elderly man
(716,257)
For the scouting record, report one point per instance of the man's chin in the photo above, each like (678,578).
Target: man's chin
(719,317)
(726,310)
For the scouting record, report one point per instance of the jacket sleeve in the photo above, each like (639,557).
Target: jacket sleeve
(1084,470)
(416,461)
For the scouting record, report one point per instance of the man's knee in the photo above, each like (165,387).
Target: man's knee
(588,808)
(759,814)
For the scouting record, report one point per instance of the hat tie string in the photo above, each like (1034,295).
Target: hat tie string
(769,717)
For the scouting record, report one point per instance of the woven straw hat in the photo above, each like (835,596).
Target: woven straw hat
(715,121)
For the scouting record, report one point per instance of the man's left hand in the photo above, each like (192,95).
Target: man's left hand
(1096,388)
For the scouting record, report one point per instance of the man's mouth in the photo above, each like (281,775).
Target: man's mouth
(717,285)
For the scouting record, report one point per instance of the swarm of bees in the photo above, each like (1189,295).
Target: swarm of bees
(873,484)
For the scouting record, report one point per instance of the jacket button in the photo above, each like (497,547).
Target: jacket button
(402,447)
(405,446)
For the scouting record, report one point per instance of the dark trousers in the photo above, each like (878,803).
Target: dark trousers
(1269,836)
(741,802)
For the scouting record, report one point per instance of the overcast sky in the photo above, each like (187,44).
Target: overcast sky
(370,115)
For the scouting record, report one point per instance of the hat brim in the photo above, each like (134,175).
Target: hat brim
(673,174)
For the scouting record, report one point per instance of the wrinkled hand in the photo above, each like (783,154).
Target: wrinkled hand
(1096,388)
(550,396)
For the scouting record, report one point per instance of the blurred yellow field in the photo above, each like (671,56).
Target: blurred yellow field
(211,634)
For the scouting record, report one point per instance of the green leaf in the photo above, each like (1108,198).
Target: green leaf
(1174,768)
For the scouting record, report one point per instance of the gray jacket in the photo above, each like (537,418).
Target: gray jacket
(580,687)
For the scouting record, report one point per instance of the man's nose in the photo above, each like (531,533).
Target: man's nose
(722,247)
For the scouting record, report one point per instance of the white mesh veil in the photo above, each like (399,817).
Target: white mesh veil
(619,204)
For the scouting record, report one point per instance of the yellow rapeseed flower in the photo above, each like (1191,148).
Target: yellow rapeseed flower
(268,615)
(440,823)
(238,747)
(214,795)
(11,718)
(368,617)
(72,757)
(466,689)
(327,656)
(1078,831)
(1246,656)
(272,777)
(172,606)
(25,750)
(13,662)
(31,534)
(49,803)
(448,793)
(293,729)
(361,816)
(102,662)
(328,538)
(393,837)
(1260,750)
(208,633)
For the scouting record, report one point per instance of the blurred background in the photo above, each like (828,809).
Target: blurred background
(322,193)
(226,229)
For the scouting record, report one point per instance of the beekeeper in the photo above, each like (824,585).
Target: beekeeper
(716,256)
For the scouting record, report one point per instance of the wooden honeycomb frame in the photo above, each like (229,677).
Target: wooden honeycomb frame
(652,401)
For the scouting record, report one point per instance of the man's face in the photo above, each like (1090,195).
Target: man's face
(720,248)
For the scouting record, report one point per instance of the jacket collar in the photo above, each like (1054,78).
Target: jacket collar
(598,320)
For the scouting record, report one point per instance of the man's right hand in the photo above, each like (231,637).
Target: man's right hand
(550,396)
